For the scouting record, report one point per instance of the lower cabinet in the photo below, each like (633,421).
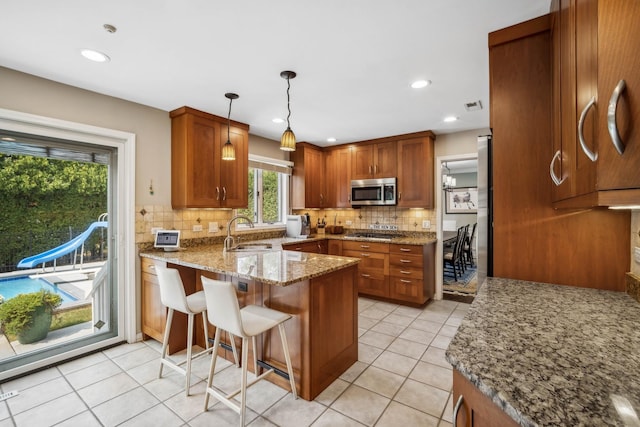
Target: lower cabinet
(316,247)
(411,270)
(334,247)
(475,409)
(373,270)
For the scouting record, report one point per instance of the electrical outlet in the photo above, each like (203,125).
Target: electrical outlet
(243,287)
(347,222)
(426,223)
(213,227)
(636,254)
(197,227)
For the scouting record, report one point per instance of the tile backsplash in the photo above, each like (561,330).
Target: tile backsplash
(149,217)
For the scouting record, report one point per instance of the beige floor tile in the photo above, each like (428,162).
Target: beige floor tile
(417,335)
(366,322)
(445,424)
(374,313)
(376,339)
(408,311)
(93,373)
(136,358)
(380,381)
(264,394)
(448,412)
(360,404)
(52,412)
(453,321)
(386,306)
(123,349)
(427,325)
(364,303)
(295,413)
(407,348)
(124,406)
(441,341)
(401,415)
(368,353)
(422,397)
(83,362)
(8,422)
(262,422)
(448,330)
(436,356)
(331,393)
(34,379)
(107,389)
(433,375)
(157,416)
(385,327)
(189,407)
(219,416)
(434,316)
(4,410)
(361,332)
(353,372)
(396,363)
(39,394)
(84,419)
(331,418)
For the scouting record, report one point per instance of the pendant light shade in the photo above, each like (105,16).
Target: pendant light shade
(228,151)
(288,140)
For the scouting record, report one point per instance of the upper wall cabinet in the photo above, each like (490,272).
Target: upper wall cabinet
(415,172)
(199,176)
(308,186)
(596,91)
(374,161)
(338,177)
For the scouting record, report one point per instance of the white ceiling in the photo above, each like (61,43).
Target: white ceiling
(355,59)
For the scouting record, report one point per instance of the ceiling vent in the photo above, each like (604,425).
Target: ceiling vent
(473,106)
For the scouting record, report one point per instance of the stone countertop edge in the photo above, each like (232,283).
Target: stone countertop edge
(551,354)
(210,258)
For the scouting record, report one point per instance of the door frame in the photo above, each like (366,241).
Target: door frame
(125,251)
(439,212)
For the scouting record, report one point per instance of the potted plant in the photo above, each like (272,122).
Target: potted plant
(28,316)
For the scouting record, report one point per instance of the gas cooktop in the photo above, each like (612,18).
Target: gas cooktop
(366,235)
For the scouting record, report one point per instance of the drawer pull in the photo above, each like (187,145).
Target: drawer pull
(405,250)
(405,281)
(152,267)
(365,246)
(406,261)
(405,272)
(365,275)
(365,255)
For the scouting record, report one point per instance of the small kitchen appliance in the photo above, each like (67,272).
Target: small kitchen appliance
(298,226)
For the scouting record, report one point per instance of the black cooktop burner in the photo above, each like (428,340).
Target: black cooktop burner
(374,235)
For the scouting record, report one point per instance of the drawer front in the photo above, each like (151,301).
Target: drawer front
(370,260)
(406,272)
(373,286)
(403,260)
(365,246)
(406,289)
(147,265)
(406,249)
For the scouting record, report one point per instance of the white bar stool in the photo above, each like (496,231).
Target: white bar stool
(223,311)
(173,297)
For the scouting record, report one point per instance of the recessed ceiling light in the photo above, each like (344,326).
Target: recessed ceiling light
(332,139)
(450,119)
(419,84)
(94,55)
(277,120)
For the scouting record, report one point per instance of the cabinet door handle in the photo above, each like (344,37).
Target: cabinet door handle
(590,154)
(217,193)
(405,250)
(370,170)
(375,169)
(611,117)
(456,409)
(224,193)
(400,195)
(557,181)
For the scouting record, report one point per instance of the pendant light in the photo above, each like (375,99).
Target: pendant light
(288,140)
(228,152)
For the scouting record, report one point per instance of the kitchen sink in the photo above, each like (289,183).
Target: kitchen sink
(248,247)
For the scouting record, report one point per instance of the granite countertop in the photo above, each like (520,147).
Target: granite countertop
(552,355)
(275,267)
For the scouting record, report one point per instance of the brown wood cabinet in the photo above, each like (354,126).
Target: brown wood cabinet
(316,246)
(308,179)
(199,176)
(338,178)
(374,160)
(154,314)
(415,172)
(594,53)
(411,271)
(476,409)
(373,270)
(334,247)
(531,240)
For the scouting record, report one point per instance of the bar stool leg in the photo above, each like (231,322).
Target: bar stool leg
(206,331)
(287,357)
(165,340)
(255,355)
(243,386)
(189,350)
(212,367)
(234,349)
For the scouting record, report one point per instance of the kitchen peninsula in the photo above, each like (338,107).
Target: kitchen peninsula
(319,291)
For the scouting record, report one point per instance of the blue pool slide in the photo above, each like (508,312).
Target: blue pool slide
(63,249)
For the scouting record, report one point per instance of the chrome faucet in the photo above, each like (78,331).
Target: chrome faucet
(228,241)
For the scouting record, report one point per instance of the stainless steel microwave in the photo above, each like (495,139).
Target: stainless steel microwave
(373,192)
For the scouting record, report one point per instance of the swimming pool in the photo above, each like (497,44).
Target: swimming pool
(13,286)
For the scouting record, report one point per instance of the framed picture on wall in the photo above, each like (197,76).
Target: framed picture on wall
(462,201)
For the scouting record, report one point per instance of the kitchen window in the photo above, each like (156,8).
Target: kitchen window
(268,192)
